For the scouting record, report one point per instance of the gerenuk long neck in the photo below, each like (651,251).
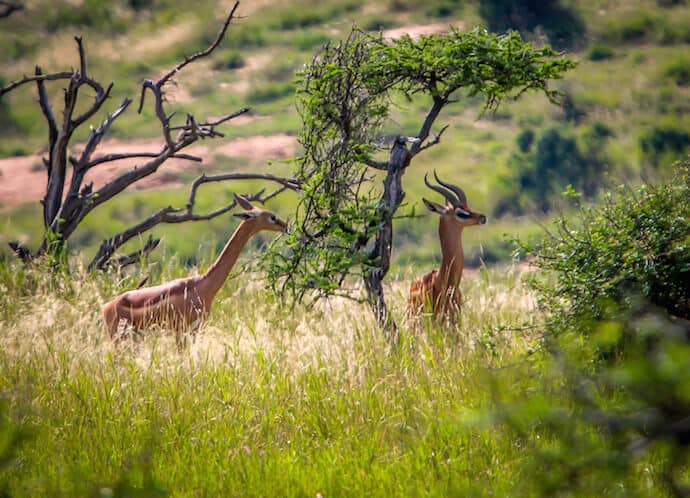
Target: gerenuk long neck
(215,276)
(452,255)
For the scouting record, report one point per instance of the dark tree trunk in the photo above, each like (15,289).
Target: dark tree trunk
(380,255)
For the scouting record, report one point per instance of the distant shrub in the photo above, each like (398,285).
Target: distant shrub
(638,26)
(245,38)
(378,24)
(270,93)
(138,68)
(89,13)
(562,24)
(307,41)
(14,150)
(538,174)
(664,144)
(14,49)
(679,72)
(303,16)
(670,3)
(433,8)
(402,5)
(443,8)
(600,52)
(573,112)
(18,121)
(228,59)
(299,18)
(596,135)
(140,4)
(634,243)
(678,32)
(556,154)
(282,70)
(648,26)
(525,139)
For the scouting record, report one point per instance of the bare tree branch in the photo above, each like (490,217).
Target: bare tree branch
(135,155)
(82,165)
(217,122)
(62,75)
(46,108)
(160,112)
(380,165)
(157,87)
(203,53)
(136,256)
(61,136)
(7,8)
(57,169)
(23,252)
(180,215)
(30,79)
(291,183)
(79,206)
(435,140)
(439,103)
(97,135)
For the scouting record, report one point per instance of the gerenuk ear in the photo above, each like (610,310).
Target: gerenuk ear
(243,202)
(246,215)
(435,208)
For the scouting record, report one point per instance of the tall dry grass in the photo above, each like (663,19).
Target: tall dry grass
(268,400)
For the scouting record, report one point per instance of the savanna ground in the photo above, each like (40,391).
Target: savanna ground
(267,401)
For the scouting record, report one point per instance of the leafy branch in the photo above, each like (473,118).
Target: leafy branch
(344,219)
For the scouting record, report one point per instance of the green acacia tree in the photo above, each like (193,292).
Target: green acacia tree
(344,219)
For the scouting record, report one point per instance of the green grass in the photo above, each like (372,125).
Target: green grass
(268,401)
(272,400)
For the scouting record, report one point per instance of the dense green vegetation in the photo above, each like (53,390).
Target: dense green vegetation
(616,326)
(635,243)
(344,100)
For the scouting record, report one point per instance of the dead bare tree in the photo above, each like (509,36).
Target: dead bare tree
(63,212)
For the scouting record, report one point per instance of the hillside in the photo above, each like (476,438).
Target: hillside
(564,374)
(625,112)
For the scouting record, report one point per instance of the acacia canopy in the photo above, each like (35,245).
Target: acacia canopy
(345,95)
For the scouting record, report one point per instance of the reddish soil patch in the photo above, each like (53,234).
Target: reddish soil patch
(23,179)
(260,147)
(418,30)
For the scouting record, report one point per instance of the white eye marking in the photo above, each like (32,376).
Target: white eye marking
(272,218)
(461,213)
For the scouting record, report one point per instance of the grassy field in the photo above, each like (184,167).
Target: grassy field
(268,401)
(272,400)
(278,401)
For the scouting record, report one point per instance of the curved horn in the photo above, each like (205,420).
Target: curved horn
(458,191)
(444,192)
